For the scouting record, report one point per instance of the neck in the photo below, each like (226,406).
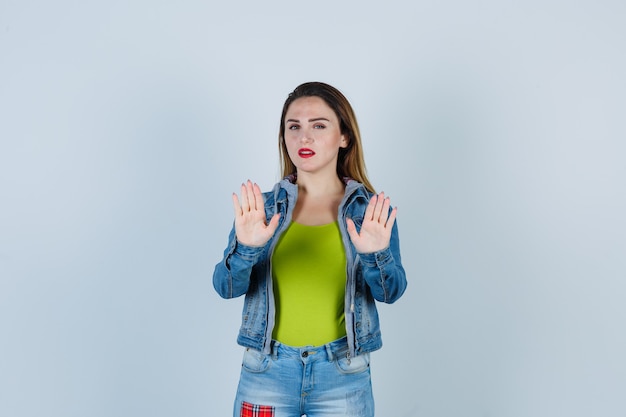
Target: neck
(319,185)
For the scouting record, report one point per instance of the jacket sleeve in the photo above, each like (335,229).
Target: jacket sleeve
(383,270)
(231,277)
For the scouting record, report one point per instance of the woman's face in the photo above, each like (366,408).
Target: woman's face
(313,135)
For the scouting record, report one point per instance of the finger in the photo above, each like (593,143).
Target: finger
(258,196)
(274,222)
(384,214)
(250,195)
(351,227)
(369,210)
(245,205)
(378,209)
(236,205)
(392,218)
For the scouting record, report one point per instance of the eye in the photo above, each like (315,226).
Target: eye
(293,127)
(319,126)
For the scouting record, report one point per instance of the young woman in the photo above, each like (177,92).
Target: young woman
(311,256)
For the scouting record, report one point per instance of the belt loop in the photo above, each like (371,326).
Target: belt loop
(329,352)
(275,345)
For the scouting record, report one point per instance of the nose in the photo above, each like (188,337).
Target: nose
(306,135)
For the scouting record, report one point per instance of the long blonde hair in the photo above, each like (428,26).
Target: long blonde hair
(350,162)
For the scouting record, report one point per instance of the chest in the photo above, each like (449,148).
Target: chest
(316,211)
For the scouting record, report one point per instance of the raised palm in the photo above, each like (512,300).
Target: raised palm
(250,222)
(375,232)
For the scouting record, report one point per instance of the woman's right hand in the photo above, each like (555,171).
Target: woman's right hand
(250,224)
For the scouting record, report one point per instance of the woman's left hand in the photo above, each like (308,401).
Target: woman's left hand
(376,228)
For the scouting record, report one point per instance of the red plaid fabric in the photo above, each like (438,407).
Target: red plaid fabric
(253,410)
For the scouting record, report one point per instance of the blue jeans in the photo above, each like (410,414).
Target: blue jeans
(318,381)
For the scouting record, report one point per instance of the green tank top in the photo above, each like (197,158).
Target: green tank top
(309,273)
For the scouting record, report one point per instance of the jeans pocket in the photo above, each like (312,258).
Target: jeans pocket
(347,365)
(255,361)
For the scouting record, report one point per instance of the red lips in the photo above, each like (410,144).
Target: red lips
(305,153)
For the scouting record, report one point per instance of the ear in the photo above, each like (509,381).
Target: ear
(344,141)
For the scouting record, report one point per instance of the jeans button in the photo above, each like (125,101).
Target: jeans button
(305,354)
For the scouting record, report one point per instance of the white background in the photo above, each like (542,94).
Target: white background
(497,127)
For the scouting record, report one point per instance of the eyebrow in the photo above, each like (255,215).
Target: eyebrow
(317,119)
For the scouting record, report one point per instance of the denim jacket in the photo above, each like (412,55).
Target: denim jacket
(370,276)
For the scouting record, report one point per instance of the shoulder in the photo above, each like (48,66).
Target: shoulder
(355,191)
(355,201)
(281,192)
